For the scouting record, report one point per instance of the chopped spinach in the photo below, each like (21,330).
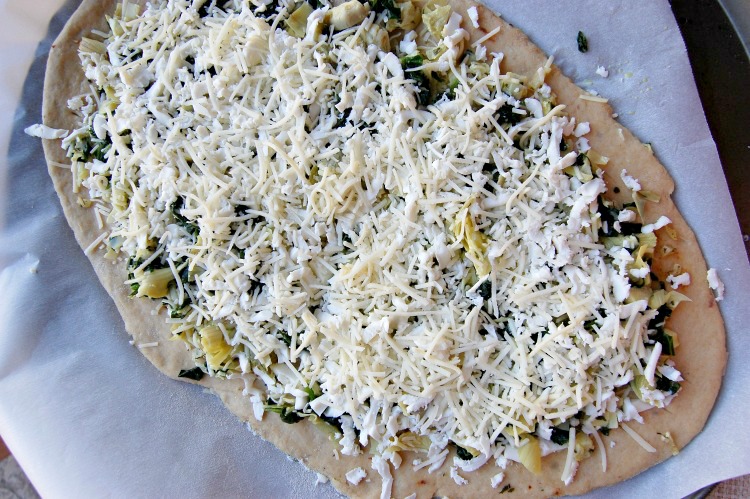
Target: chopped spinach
(560,436)
(662,313)
(89,147)
(342,118)
(195,373)
(268,9)
(388,6)
(312,394)
(203,9)
(666,340)
(485,290)
(583,43)
(630,228)
(608,216)
(462,453)
(287,414)
(420,79)
(284,336)
(667,385)
(505,115)
(189,226)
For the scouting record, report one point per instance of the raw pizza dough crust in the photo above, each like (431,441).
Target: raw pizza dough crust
(701,356)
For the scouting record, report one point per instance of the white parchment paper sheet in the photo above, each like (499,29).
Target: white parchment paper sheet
(87,416)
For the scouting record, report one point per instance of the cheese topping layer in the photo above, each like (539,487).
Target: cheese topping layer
(376,229)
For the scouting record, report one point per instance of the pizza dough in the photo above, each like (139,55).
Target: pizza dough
(701,356)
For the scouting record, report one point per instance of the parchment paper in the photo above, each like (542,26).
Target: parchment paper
(87,416)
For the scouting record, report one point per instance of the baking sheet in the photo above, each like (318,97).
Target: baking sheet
(86,415)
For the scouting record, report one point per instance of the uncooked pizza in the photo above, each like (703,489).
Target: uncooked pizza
(390,235)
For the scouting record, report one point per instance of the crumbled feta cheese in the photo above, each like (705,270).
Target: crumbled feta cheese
(582,129)
(640,273)
(629,181)
(661,222)
(602,71)
(497,479)
(456,477)
(473,16)
(409,44)
(678,280)
(471,464)
(715,284)
(337,239)
(626,216)
(355,475)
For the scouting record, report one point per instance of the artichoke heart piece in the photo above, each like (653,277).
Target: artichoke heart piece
(639,384)
(217,351)
(155,284)
(332,432)
(296,25)
(347,14)
(410,441)
(411,16)
(530,455)
(584,446)
(379,37)
(435,17)
(473,240)
(662,297)
(640,198)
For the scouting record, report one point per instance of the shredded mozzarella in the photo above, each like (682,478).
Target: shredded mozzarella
(639,439)
(408,269)
(45,132)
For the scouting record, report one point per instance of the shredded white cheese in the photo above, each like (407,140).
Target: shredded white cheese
(380,465)
(593,98)
(45,132)
(639,439)
(413,270)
